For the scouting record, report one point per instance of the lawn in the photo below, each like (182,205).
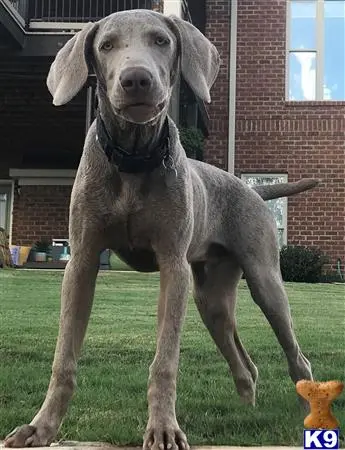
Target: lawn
(110,402)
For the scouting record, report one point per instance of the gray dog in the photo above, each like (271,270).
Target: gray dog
(137,193)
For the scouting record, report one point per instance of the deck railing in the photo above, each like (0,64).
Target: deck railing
(64,12)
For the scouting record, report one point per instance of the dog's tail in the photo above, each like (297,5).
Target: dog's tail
(270,191)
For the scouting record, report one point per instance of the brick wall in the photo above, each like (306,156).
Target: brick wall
(300,139)
(40,213)
(275,136)
(36,135)
(217,30)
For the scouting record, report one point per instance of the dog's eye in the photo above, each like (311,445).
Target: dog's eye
(106,46)
(160,40)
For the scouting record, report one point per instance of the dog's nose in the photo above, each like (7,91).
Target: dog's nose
(136,80)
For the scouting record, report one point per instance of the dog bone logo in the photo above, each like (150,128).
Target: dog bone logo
(320,396)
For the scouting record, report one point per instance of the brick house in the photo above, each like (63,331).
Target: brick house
(277,112)
(278,109)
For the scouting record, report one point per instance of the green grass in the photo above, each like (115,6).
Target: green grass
(117,264)
(110,402)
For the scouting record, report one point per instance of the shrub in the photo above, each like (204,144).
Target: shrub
(41,246)
(302,264)
(192,141)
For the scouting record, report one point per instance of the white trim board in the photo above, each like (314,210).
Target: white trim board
(45,181)
(42,173)
(38,25)
(43,177)
(266,175)
(10,183)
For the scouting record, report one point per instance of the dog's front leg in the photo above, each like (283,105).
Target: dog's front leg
(76,301)
(163,431)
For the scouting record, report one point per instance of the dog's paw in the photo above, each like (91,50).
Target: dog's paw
(246,388)
(163,437)
(29,436)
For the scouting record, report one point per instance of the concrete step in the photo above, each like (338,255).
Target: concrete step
(72,445)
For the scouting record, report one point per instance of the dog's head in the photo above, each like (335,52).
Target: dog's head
(137,56)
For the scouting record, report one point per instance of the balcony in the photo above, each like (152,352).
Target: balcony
(34,30)
(69,15)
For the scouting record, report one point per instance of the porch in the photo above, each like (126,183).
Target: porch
(41,145)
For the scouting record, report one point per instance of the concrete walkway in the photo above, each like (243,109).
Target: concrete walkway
(71,445)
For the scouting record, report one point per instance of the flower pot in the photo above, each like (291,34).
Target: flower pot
(15,249)
(41,257)
(23,254)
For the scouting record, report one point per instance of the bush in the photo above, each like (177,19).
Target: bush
(302,264)
(192,141)
(41,246)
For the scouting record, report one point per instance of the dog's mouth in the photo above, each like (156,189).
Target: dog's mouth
(140,112)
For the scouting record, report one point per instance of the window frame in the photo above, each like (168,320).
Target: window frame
(319,52)
(246,175)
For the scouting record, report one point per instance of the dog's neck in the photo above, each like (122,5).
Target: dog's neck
(130,136)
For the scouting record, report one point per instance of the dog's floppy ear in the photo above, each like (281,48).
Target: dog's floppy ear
(69,71)
(199,58)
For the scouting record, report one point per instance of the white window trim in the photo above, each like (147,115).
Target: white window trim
(318,50)
(284,199)
(74,26)
(10,183)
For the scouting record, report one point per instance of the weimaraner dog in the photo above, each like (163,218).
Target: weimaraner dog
(137,193)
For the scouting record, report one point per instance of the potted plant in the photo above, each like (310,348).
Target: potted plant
(41,249)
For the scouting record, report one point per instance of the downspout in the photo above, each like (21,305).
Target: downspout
(232,86)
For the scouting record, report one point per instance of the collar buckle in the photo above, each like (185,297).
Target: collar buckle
(168,164)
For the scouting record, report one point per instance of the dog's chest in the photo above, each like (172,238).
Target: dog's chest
(127,202)
(133,230)
(130,218)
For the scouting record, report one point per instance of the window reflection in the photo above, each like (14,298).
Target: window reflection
(302,76)
(316,58)
(334,59)
(277,206)
(303,25)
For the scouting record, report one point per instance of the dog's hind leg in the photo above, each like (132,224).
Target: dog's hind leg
(261,267)
(215,286)
(268,292)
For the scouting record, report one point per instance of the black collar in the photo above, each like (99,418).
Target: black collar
(142,160)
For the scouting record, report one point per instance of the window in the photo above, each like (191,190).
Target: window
(316,50)
(278,206)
